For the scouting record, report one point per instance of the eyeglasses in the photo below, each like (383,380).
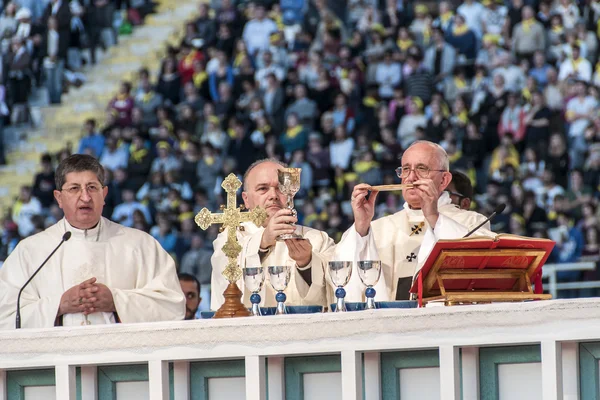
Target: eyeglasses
(422,171)
(75,190)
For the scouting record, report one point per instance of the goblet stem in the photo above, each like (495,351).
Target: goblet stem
(255,300)
(340,305)
(280,298)
(370,294)
(370,303)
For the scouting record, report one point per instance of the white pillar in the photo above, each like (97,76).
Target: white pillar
(570,366)
(552,370)
(470,373)
(372,363)
(89,383)
(256,386)
(3,395)
(181,380)
(276,368)
(449,373)
(351,375)
(158,377)
(65,382)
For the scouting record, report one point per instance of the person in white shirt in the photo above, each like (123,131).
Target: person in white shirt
(340,149)
(575,67)
(388,75)
(268,68)
(514,77)
(123,213)
(580,110)
(257,31)
(473,12)
(114,157)
(26,207)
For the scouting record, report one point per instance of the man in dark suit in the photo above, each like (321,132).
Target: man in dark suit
(53,53)
(61,11)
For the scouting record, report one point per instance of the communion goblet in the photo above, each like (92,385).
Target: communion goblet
(279,276)
(369,273)
(254,278)
(289,184)
(340,273)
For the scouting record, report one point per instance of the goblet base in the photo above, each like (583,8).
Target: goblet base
(340,305)
(287,236)
(281,309)
(255,310)
(370,304)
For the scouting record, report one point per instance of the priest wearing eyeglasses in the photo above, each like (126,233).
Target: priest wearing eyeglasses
(403,241)
(105,272)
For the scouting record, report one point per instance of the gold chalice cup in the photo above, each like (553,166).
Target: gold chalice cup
(289,184)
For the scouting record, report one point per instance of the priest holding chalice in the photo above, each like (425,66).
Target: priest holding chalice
(270,184)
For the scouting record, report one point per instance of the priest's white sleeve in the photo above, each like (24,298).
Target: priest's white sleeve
(218,261)
(157,295)
(36,311)
(354,247)
(448,228)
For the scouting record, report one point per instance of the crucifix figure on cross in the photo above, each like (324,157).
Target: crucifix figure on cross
(231,218)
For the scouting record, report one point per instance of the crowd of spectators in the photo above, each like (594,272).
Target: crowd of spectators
(46,43)
(339,89)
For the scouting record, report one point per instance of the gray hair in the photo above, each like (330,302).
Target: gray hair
(78,163)
(442,156)
(257,163)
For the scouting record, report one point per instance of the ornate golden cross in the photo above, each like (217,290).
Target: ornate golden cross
(231,218)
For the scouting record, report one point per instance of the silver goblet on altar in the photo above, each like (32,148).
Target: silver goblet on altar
(340,273)
(254,277)
(279,276)
(369,273)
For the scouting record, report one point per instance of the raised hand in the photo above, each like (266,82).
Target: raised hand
(429,193)
(363,208)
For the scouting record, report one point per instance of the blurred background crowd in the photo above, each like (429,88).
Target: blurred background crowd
(339,89)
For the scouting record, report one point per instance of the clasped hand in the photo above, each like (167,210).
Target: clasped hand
(88,297)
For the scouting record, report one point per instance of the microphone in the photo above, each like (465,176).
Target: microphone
(65,237)
(497,210)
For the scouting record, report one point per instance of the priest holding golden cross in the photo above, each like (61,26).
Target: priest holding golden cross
(257,241)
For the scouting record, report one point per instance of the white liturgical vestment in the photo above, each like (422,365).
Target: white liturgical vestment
(140,274)
(298,292)
(402,242)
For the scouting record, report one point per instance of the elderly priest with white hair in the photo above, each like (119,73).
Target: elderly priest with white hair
(104,273)
(403,241)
